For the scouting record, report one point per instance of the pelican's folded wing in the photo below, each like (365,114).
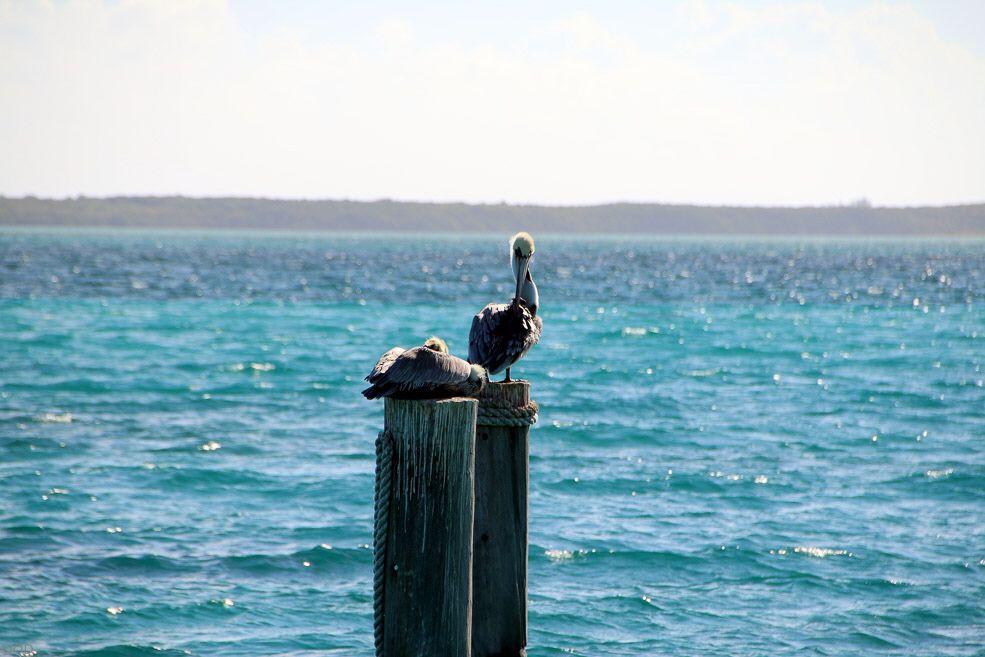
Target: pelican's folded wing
(421,366)
(484,342)
(384,364)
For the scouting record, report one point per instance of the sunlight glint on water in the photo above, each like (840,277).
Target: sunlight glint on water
(744,447)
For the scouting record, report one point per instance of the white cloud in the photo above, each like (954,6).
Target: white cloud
(396,33)
(795,104)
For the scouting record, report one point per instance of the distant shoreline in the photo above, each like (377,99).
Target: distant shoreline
(179,212)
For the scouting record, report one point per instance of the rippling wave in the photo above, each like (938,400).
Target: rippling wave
(744,447)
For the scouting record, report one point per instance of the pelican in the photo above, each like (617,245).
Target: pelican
(433,343)
(503,332)
(427,372)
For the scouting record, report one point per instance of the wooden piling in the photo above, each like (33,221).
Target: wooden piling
(499,567)
(423,542)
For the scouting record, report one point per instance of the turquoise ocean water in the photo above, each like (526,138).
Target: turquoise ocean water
(744,447)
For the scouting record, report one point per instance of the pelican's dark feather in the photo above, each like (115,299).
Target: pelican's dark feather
(423,373)
(384,363)
(502,334)
(421,363)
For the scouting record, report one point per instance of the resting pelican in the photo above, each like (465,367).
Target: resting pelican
(433,343)
(503,332)
(427,372)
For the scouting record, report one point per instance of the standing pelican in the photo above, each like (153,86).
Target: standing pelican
(503,332)
(427,372)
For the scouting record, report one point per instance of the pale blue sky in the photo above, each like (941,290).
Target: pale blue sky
(745,102)
(499,22)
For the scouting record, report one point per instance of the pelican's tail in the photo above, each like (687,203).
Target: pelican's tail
(372,392)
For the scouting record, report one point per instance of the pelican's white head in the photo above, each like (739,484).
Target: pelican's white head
(521,249)
(522,245)
(436,344)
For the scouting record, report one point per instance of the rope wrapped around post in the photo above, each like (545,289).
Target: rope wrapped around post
(502,414)
(384,454)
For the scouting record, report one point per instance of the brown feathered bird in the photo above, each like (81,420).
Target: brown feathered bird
(426,372)
(503,332)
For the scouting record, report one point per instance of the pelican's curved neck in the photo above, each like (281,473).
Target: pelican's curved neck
(519,264)
(529,293)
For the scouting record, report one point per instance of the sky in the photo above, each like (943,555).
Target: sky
(555,102)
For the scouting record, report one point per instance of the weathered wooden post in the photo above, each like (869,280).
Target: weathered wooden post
(423,529)
(502,479)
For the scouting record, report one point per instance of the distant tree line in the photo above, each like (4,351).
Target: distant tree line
(859,218)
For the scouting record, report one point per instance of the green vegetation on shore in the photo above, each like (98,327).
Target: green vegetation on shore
(385,215)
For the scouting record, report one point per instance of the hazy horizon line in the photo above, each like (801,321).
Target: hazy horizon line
(857,203)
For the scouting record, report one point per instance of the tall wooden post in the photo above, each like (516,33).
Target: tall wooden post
(499,569)
(423,534)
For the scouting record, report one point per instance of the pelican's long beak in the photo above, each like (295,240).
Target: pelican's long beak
(522,263)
